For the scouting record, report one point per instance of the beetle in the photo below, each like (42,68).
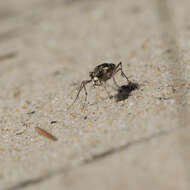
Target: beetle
(100,75)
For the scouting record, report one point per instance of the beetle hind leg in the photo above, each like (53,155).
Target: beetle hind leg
(119,68)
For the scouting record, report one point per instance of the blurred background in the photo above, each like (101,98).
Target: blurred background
(47,48)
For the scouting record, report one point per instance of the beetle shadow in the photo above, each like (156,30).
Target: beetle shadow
(124,91)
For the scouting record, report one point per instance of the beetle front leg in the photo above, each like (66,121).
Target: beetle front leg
(83,85)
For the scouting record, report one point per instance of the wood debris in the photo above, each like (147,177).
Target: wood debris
(45,134)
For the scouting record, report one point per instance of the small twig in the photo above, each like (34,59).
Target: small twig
(52,122)
(45,134)
(30,113)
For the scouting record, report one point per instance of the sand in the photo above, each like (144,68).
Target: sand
(47,48)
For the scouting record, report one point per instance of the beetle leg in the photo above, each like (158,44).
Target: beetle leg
(119,68)
(115,82)
(83,85)
(108,93)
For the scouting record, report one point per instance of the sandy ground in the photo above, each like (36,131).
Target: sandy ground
(47,48)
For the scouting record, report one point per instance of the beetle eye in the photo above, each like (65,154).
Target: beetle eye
(91,74)
(95,78)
